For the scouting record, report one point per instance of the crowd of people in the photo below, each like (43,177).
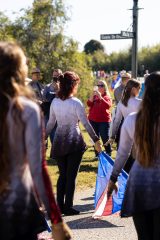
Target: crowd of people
(33,112)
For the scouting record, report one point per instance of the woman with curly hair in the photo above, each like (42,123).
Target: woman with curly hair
(68,144)
(24,181)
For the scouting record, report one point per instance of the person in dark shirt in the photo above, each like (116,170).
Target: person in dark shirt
(37,86)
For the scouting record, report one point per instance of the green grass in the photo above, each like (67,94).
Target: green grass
(88,168)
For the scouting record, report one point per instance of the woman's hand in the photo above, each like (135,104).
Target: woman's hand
(98,146)
(111,186)
(98,94)
(110,141)
(61,231)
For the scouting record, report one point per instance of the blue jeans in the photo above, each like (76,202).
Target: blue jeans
(102,130)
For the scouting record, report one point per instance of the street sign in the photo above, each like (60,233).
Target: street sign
(122,35)
(127,34)
(111,36)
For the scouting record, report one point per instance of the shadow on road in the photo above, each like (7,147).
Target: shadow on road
(89,223)
(87,199)
(85,208)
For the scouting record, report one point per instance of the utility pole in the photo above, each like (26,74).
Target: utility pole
(135,39)
(127,35)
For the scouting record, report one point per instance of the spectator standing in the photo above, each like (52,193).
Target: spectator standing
(99,116)
(36,85)
(117,96)
(142,195)
(129,103)
(68,144)
(49,93)
(24,181)
(119,90)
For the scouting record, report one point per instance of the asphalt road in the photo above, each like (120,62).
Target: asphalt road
(84,227)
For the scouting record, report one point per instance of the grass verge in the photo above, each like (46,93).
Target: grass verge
(88,169)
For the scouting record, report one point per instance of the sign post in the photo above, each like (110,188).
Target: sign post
(128,35)
(135,40)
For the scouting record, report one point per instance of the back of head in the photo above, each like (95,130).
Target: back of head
(12,67)
(132,83)
(147,132)
(68,80)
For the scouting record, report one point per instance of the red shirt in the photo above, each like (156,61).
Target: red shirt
(99,109)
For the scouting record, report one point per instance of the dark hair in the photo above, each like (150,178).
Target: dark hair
(128,89)
(147,129)
(13,72)
(68,81)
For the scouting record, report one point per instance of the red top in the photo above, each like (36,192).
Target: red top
(99,109)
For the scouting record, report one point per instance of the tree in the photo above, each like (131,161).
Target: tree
(92,46)
(40,32)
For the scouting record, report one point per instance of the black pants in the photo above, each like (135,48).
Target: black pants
(102,130)
(147,225)
(68,168)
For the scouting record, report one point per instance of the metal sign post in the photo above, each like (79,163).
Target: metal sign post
(128,35)
(135,40)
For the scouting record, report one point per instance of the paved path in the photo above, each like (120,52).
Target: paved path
(84,227)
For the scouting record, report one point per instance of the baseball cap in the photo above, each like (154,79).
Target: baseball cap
(36,70)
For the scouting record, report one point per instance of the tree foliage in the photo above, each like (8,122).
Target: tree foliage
(39,30)
(92,46)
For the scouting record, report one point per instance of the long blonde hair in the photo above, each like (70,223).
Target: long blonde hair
(13,72)
(147,129)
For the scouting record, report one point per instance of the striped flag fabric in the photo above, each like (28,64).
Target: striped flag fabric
(104,206)
(116,82)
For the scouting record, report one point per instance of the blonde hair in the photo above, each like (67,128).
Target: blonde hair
(106,87)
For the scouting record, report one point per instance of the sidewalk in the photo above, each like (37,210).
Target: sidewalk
(84,227)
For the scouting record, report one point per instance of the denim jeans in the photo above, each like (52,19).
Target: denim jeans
(102,130)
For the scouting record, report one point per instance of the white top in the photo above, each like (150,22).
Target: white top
(122,112)
(67,115)
(125,145)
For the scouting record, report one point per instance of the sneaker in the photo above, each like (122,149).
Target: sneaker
(71,211)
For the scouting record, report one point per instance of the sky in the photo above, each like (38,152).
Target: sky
(90,18)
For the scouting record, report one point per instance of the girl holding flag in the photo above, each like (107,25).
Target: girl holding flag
(142,195)
(129,103)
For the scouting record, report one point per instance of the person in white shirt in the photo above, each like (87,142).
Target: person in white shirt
(129,103)
(142,195)
(68,144)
